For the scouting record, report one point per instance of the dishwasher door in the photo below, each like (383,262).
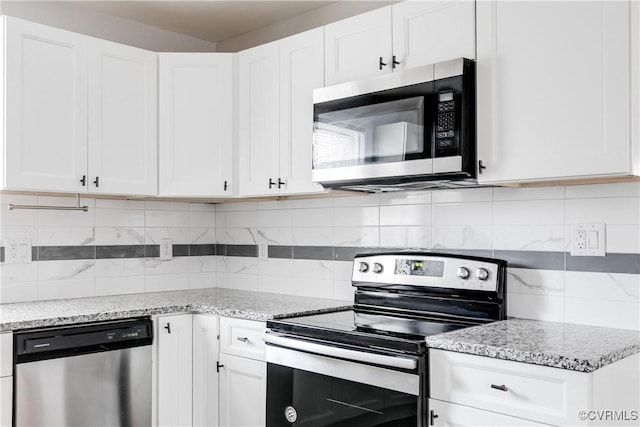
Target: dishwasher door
(107,384)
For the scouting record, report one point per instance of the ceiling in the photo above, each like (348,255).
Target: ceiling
(211,20)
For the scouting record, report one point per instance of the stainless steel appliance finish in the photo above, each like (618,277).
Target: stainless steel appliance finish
(90,375)
(407,130)
(368,366)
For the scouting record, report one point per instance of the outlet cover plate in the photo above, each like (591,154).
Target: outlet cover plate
(166,249)
(17,251)
(588,239)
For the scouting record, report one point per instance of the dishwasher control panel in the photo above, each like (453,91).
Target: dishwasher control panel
(80,339)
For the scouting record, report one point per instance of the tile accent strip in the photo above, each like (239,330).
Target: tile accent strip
(120,251)
(50,253)
(559,261)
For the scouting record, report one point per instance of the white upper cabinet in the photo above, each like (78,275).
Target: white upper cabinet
(357,47)
(259,133)
(404,35)
(197,121)
(276,83)
(553,90)
(123,121)
(426,32)
(80,113)
(45,117)
(301,71)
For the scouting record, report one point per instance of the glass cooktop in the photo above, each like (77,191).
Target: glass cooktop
(365,329)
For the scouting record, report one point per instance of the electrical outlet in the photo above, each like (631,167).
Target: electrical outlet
(588,240)
(263,250)
(166,249)
(17,251)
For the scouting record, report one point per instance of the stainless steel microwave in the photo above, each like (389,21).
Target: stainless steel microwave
(412,129)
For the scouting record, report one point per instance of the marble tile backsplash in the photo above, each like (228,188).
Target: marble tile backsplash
(109,250)
(113,249)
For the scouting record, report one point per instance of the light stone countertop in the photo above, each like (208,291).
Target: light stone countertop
(559,345)
(224,302)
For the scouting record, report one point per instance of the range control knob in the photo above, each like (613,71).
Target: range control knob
(482,274)
(463,273)
(363,267)
(377,267)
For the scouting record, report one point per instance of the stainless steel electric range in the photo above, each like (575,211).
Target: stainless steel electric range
(368,366)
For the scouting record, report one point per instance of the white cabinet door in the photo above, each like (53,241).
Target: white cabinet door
(206,350)
(355,47)
(6,401)
(174,335)
(46,107)
(426,32)
(123,117)
(196,110)
(301,71)
(553,89)
(259,120)
(443,414)
(243,387)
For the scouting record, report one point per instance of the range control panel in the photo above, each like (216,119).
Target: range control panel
(428,270)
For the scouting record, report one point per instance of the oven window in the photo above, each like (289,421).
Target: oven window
(378,133)
(319,400)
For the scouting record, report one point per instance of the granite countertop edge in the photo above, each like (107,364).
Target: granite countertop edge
(551,358)
(240,310)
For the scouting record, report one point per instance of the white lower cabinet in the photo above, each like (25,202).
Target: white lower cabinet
(174,370)
(210,371)
(475,390)
(6,379)
(206,349)
(243,373)
(448,415)
(243,387)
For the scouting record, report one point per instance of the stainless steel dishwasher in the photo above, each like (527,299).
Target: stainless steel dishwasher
(96,374)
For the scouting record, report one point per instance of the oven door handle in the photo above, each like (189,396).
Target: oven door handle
(343,353)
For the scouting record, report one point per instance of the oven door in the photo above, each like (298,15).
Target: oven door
(311,384)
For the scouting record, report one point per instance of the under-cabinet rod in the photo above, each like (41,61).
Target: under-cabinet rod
(53,208)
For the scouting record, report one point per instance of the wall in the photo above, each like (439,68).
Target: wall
(312,243)
(315,18)
(111,249)
(72,17)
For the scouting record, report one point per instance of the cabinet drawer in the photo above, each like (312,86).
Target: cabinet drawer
(242,338)
(538,393)
(6,354)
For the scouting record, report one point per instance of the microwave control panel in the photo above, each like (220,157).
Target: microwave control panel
(446,140)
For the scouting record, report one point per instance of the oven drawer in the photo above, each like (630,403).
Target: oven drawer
(538,393)
(242,338)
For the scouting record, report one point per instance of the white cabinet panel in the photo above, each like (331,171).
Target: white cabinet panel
(205,376)
(553,90)
(301,71)
(259,120)
(122,119)
(443,414)
(355,46)
(243,385)
(6,401)
(46,107)
(426,32)
(174,336)
(197,113)
(6,354)
(243,338)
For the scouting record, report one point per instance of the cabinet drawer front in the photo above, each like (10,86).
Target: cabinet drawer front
(242,338)
(543,394)
(6,354)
